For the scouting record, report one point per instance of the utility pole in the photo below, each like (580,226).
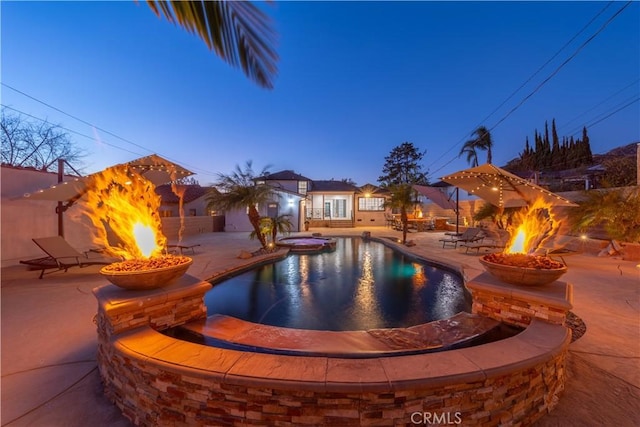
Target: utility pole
(60,207)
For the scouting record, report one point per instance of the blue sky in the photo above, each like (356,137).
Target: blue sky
(355,80)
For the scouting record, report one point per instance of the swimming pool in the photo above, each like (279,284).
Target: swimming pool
(361,285)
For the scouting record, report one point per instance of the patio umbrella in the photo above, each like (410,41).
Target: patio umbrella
(502,188)
(156,169)
(440,198)
(436,195)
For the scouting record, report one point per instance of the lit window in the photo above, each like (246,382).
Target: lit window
(371,203)
(302,187)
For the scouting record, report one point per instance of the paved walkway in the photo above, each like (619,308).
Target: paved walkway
(50,378)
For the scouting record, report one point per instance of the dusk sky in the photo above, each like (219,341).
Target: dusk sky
(355,80)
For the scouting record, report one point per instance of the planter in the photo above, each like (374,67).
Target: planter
(521,275)
(147,279)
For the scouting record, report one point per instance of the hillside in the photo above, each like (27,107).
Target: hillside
(628,150)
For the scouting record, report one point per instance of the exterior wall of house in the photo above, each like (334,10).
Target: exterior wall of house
(318,201)
(288,185)
(368,218)
(197,207)
(288,204)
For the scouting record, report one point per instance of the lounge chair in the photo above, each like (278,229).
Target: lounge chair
(60,256)
(491,240)
(470,235)
(182,248)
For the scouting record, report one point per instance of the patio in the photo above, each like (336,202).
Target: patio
(49,374)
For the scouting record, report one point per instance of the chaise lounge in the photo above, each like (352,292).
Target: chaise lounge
(470,235)
(181,247)
(60,256)
(491,240)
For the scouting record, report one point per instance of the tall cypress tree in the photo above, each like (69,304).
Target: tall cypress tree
(555,147)
(401,170)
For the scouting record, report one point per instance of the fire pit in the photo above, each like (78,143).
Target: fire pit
(521,269)
(152,273)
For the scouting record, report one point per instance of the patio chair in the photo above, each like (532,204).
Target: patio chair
(180,247)
(471,234)
(389,220)
(491,240)
(60,256)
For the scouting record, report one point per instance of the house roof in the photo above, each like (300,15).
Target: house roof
(191,193)
(284,175)
(374,190)
(317,186)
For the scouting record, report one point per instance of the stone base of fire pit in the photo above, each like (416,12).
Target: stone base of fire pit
(523,276)
(147,279)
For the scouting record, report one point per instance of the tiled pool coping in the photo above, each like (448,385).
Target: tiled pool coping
(445,334)
(539,343)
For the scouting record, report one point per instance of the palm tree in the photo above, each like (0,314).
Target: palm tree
(270,227)
(239,190)
(280,224)
(237,31)
(481,141)
(402,197)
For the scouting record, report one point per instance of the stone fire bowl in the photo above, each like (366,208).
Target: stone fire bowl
(523,276)
(147,279)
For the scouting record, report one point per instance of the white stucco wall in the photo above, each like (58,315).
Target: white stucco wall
(288,204)
(24,219)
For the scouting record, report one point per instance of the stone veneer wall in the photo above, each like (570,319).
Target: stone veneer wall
(152,390)
(151,394)
(520,305)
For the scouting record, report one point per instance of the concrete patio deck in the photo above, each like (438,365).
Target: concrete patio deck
(50,378)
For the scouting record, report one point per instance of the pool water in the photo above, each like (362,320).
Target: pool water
(361,285)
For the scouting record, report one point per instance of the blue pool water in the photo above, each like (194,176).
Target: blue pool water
(361,285)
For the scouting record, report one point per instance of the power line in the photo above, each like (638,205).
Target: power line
(74,117)
(517,90)
(598,104)
(547,63)
(67,129)
(584,44)
(203,171)
(557,70)
(598,120)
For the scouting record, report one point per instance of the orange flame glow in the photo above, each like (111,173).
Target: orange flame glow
(124,206)
(533,226)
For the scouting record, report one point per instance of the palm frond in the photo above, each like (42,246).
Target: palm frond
(237,31)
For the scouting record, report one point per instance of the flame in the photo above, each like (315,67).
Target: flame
(123,208)
(533,226)
(518,242)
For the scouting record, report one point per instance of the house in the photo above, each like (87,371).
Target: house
(195,217)
(316,203)
(342,204)
(370,206)
(331,204)
(194,201)
(291,190)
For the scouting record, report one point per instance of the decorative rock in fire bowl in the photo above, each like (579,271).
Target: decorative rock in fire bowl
(145,274)
(521,269)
